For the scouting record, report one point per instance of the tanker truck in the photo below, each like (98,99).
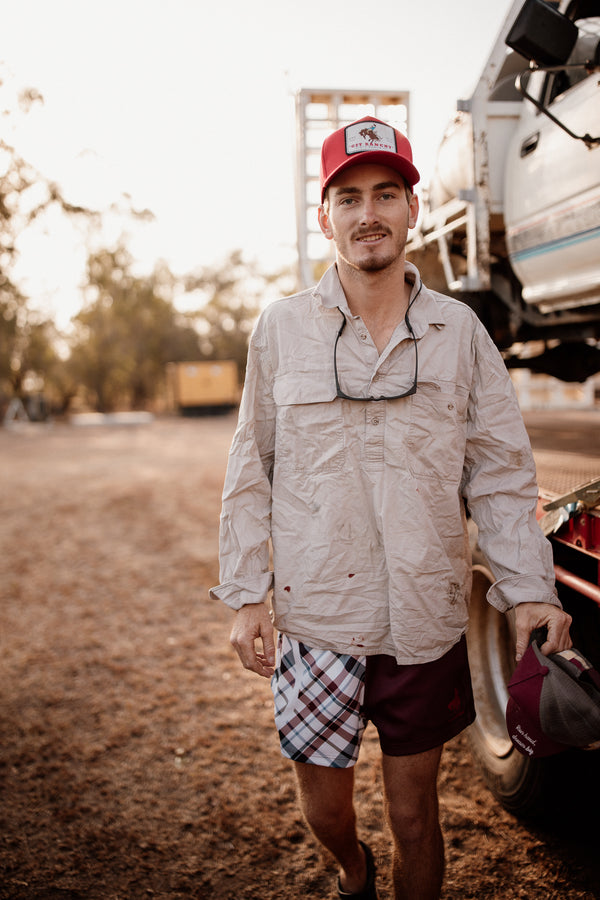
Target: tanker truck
(511,220)
(511,226)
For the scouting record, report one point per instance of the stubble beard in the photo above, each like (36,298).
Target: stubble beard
(374,263)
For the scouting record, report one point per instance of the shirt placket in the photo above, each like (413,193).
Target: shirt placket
(374,409)
(374,432)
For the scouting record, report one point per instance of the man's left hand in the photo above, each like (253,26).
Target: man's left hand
(529,616)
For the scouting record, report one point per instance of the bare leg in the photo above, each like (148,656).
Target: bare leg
(412,806)
(326,797)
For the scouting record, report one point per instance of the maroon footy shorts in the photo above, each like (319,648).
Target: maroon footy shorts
(323,701)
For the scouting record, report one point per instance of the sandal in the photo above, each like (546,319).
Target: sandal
(369,891)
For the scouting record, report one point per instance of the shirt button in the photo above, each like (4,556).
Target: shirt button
(375,421)
(363,335)
(451,406)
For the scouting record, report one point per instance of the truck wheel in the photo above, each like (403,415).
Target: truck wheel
(516,781)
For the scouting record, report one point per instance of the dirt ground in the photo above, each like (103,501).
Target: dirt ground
(137,758)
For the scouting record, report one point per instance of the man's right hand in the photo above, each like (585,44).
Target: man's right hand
(253,623)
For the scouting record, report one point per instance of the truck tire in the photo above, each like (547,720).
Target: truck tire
(517,782)
(528,788)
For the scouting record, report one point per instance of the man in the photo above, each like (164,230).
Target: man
(373,409)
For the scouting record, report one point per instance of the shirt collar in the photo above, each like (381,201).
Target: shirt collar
(424,310)
(329,291)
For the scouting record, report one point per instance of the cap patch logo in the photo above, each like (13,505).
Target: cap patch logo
(369,134)
(366,136)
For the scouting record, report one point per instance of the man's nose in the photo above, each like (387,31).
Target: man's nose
(368,212)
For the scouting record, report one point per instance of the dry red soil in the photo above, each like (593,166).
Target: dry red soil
(138,759)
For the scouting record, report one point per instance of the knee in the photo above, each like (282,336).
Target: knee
(412,825)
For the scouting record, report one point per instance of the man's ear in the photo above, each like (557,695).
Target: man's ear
(325,224)
(413,211)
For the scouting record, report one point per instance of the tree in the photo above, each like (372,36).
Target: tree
(234,293)
(127,332)
(130,328)
(26,338)
(28,353)
(27,347)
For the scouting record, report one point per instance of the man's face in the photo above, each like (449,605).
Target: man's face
(368,215)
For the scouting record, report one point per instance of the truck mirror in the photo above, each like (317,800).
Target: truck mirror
(542,34)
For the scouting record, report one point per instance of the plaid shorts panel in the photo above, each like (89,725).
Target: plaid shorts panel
(318,704)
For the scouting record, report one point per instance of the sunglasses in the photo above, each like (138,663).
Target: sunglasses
(412,389)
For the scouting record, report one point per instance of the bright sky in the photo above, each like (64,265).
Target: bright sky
(188,107)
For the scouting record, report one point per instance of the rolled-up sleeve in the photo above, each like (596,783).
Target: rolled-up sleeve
(245,527)
(499,485)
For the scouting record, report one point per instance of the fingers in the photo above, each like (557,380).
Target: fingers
(269,646)
(522,643)
(529,616)
(559,637)
(252,639)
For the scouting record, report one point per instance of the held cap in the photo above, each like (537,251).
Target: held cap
(368,140)
(554,703)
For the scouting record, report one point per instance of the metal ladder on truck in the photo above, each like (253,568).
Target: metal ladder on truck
(318,113)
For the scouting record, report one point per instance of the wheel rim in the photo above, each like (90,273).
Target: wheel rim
(491,653)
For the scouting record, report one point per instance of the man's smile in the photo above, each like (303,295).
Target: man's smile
(370,238)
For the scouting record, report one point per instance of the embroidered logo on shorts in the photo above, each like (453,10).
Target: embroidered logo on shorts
(364,136)
(456,705)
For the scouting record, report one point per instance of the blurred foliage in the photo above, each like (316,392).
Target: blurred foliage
(29,356)
(27,339)
(125,335)
(232,295)
(129,326)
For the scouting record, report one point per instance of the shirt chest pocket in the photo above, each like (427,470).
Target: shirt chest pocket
(309,432)
(437,433)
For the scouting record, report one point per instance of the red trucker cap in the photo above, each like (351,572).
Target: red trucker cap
(554,703)
(368,140)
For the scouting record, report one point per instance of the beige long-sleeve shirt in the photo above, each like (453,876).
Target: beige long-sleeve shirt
(363,502)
